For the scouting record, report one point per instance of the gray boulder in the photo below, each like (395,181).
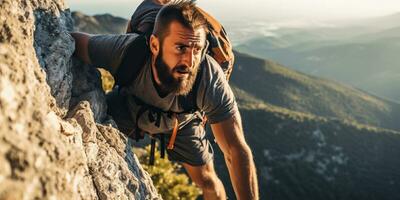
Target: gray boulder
(52,142)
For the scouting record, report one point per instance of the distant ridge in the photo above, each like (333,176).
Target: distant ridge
(277,85)
(362,53)
(100,24)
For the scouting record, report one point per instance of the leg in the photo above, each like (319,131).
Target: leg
(194,151)
(206,179)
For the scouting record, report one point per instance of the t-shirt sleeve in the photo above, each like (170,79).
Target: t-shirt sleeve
(107,51)
(215,96)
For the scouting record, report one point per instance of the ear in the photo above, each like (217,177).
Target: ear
(154,45)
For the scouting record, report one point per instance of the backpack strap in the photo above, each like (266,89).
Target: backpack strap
(174,132)
(162,145)
(153,140)
(152,151)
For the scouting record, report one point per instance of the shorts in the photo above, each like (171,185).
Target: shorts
(191,145)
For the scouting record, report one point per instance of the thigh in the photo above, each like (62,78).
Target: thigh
(191,145)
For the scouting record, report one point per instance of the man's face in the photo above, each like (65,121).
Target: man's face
(179,58)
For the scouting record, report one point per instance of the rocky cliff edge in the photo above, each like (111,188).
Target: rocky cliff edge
(56,141)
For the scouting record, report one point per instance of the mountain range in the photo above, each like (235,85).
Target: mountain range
(312,138)
(362,54)
(99,24)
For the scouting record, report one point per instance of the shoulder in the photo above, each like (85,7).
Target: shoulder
(215,96)
(211,77)
(147,7)
(144,5)
(121,40)
(109,50)
(211,70)
(147,4)
(111,44)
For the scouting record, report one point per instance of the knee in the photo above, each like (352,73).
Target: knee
(208,182)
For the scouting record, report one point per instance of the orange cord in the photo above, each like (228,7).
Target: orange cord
(173,136)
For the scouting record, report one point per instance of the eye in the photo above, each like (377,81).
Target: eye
(197,50)
(181,48)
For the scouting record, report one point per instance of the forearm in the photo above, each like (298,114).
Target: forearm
(81,46)
(238,157)
(243,173)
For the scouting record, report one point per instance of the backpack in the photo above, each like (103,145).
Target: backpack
(220,48)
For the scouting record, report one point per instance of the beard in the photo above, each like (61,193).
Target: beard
(170,84)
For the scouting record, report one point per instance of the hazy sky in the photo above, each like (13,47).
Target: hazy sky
(259,9)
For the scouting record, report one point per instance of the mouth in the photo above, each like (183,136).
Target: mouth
(182,71)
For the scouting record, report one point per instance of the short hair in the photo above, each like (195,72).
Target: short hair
(183,11)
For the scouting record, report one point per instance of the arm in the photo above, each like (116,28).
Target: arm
(82,46)
(104,51)
(238,156)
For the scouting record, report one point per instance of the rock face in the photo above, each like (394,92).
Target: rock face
(52,142)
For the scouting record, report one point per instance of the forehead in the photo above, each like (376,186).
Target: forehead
(181,34)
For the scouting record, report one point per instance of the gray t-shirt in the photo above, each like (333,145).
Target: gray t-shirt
(214,95)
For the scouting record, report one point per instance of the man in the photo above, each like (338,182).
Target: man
(178,68)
